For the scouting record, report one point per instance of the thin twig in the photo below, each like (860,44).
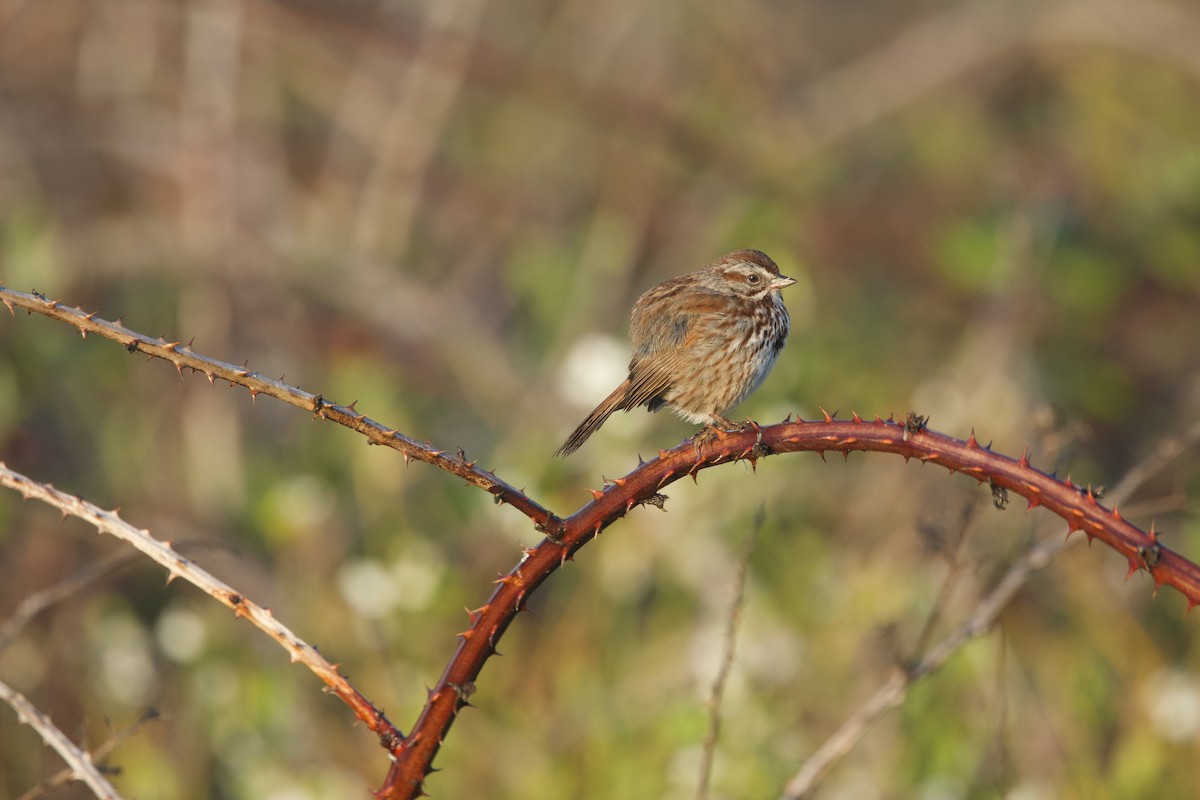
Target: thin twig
(183,357)
(178,566)
(736,607)
(79,762)
(39,601)
(892,693)
(99,753)
(956,567)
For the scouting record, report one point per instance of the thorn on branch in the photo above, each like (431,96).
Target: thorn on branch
(666,478)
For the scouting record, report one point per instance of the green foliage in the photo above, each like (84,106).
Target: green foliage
(1010,246)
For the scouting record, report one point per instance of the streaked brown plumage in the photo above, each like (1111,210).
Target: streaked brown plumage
(702,342)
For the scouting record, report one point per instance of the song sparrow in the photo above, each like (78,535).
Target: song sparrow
(702,342)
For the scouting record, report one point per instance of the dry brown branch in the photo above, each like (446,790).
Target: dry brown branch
(179,567)
(98,754)
(79,762)
(183,357)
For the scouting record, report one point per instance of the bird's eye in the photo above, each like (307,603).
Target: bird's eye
(752,277)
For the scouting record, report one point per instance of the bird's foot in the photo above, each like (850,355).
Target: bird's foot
(717,428)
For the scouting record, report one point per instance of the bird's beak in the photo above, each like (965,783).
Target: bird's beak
(782,282)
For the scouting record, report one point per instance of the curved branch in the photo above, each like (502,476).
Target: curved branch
(183,357)
(1076,505)
(981,620)
(177,566)
(80,762)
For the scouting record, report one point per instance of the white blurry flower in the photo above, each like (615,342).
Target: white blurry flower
(592,368)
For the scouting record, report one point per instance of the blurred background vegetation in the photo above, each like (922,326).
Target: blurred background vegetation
(444,211)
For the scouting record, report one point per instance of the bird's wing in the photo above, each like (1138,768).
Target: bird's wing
(664,329)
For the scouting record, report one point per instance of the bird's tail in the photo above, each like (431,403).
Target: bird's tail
(614,402)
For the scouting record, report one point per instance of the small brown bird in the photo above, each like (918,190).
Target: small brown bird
(702,342)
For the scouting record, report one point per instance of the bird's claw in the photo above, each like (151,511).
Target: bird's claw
(718,428)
